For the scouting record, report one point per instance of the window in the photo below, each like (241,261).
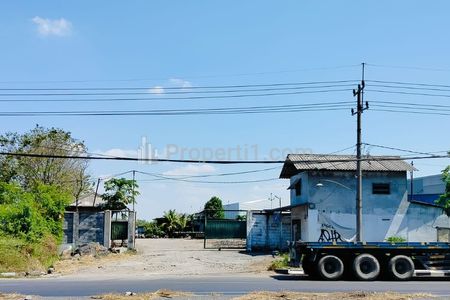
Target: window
(381,188)
(298,188)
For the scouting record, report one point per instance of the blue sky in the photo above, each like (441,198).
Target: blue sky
(161,44)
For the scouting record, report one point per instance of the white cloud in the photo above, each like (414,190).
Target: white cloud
(191,170)
(156,90)
(177,82)
(55,27)
(119,152)
(180,83)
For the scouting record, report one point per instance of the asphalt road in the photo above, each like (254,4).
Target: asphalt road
(229,285)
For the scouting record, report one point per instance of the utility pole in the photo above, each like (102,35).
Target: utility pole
(359,110)
(96,191)
(134,181)
(411,194)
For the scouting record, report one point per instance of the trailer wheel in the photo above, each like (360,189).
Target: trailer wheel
(330,267)
(401,267)
(366,267)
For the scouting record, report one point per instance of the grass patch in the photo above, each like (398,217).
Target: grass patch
(17,255)
(331,296)
(280,263)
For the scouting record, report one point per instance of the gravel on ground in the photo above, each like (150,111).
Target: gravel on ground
(184,257)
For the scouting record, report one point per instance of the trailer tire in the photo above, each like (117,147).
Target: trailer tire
(366,267)
(330,267)
(401,267)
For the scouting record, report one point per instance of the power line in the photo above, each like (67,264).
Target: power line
(226,110)
(207,181)
(412,104)
(175,98)
(240,86)
(189,77)
(210,175)
(410,83)
(403,150)
(410,112)
(187,91)
(342,150)
(409,68)
(408,93)
(411,87)
(409,107)
(374,158)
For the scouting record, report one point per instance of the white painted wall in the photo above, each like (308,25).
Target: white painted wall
(331,207)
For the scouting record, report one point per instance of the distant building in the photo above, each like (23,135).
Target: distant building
(426,190)
(232,210)
(88,202)
(323,200)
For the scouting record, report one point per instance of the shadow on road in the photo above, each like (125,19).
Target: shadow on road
(282,277)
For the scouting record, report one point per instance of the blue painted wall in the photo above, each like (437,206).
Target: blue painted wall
(332,207)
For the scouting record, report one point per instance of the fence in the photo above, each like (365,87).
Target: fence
(225,233)
(103,227)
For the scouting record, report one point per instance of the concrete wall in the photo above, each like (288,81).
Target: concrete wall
(90,227)
(263,231)
(83,227)
(68,228)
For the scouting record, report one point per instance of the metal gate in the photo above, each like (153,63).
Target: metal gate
(119,230)
(225,233)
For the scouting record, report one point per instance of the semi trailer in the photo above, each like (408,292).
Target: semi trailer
(371,260)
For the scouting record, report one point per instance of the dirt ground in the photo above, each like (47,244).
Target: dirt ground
(184,257)
(167,294)
(275,296)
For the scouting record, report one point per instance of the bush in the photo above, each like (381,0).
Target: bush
(17,255)
(395,239)
(280,263)
(31,215)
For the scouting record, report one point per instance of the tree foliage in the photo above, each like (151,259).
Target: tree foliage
(444,200)
(32,215)
(175,222)
(151,229)
(67,174)
(214,208)
(171,222)
(119,192)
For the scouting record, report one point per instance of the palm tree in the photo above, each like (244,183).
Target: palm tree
(171,222)
(182,221)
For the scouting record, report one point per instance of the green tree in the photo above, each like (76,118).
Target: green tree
(31,215)
(119,192)
(171,222)
(183,221)
(444,200)
(214,208)
(151,229)
(68,174)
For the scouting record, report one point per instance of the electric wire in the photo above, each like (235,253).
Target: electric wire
(161,98)
(409,68)
(404,150)
(408,93)
(410,112)
(309,84)
(118,158)
(191,77)
(225,110)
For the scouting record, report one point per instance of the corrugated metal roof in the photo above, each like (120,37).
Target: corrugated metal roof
(303,162)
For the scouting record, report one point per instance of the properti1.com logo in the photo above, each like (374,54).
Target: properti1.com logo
(146,152)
